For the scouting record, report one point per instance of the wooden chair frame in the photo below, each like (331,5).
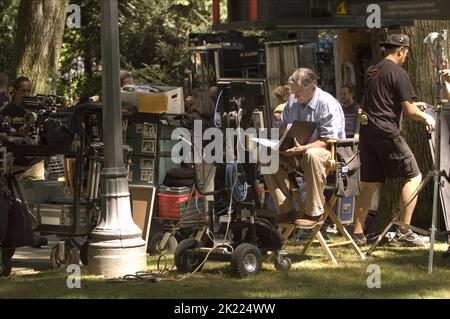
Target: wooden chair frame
(329,205)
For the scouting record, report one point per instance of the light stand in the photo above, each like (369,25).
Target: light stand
(437,148)
(435,39)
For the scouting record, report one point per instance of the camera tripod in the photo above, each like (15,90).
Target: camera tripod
(435,175)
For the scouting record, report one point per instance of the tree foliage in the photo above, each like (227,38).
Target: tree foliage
(153,40)
(8,13)
(153,36)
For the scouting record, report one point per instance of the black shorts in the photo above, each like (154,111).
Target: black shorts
(385,157)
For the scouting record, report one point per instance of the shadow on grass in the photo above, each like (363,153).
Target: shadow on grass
(403,275)
(299,257)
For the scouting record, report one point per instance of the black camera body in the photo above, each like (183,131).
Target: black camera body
(38,109)
(42,104)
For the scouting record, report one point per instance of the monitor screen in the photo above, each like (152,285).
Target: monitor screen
(247,94)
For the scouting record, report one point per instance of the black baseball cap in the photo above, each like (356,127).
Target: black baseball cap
(396,40)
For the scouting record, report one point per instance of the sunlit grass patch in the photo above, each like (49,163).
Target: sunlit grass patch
(403,275)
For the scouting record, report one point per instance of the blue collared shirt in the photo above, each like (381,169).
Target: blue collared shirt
(324,109)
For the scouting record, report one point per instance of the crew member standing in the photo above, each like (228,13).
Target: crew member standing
(384,152)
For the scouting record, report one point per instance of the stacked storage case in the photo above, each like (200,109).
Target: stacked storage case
(152,145)
(142,136)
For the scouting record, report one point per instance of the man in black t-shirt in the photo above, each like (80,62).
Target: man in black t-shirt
(28,168)
(384,152)
(446,84)
(15,115)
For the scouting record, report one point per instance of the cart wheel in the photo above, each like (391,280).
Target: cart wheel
(169,248)
(70,256)
(282,263)
(184,261)
(246,260)
(84,253)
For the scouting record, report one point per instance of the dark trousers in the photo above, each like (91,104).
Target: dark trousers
(5,200)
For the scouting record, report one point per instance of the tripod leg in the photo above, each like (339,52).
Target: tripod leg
(433,220)
(380,238)
(399,213)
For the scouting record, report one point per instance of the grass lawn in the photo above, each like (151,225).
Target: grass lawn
(403,275)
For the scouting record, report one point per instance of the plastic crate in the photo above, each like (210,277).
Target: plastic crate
(173,203)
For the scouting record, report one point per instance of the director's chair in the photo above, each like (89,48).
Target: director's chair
(343,163)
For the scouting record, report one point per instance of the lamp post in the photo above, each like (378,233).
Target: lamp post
(116,247)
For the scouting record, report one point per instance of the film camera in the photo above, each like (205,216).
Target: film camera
(42,104)
(39,108)
(30,129)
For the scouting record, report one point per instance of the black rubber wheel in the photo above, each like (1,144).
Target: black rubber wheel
(70,256)
(169,248)
(282,263)
(246,260)
(84,253)
(185,262)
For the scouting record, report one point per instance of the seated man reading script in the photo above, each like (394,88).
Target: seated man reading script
(307,102)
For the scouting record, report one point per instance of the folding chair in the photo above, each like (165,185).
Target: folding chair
(336,165)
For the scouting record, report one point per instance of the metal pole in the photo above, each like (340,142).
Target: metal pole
(437,151)
(116,247)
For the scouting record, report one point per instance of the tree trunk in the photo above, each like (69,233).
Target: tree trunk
(419,67)
(39,37)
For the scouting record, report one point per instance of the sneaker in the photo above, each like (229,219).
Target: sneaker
(359,241)
(410,239)
(324,232)
(41,241)
(302,234)
(372,238)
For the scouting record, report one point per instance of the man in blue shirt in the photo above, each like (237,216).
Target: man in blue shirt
(307,102)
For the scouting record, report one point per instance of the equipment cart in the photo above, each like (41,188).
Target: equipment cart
(67,209)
